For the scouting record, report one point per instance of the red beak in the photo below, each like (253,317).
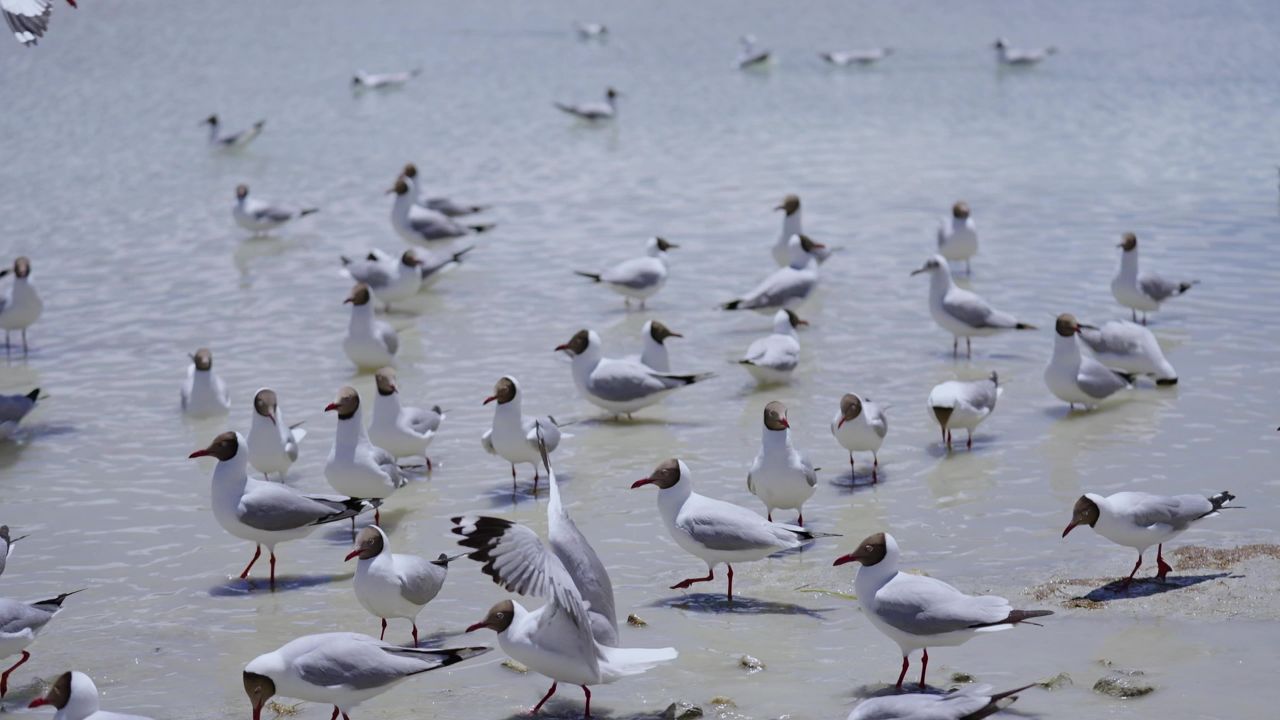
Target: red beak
(72,3)
(257,712)
(198,453)
(851,557)
(331,407)
(272,418)
(489,399)
(477,626)
(641,483)
(1070,527)
(840,424)
(38,702)
(351,554)
(561,347)
(786,423)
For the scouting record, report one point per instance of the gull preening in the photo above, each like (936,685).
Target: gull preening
(593,111)
(259,217)
(417,225)
(787,287)
(342,669)
(962,313)
(273,443)
(958,236)
(7,542)
(232,141)
(391,585)
(792,226)
(28,19)
(1140,520)
(403,431)
(619,385)
(442,205)
(20,623)
(918,612)
(773,358)
(74,696)
(1006,55)
(1142,291)
(21,305)
(356,466)
(750,55)
(715,531)
(13,408)
(370,343)
(654,353)
(963,405)
(781,476)
(1074,377)
(865,56)
(637,278)
(860,426)
(973,702)
(383,81)
(514,437)
(266,513)
(203,394)
(1130,348)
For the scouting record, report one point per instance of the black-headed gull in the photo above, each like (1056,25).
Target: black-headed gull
(203,393)
(1129,348)
(390,279)
(751,56)
(791,226)
(356,466)
(6,546)
(864,56)
(1075,377)
(514,437)
(715,531)
(860,426)
(370,343)
(391,585)
(441,205)
(20,623)
(417,225)
(342,669)
(1140,520)
(963,404)
(620,386)
(637,278)
(654,353)
(591,30)
(28,19)
(962,313)
(75,697)
(1142,291)
(233,141)
(968,703)
(781,476)
(1006,55)
(773,358)
(593,111)
(786,287)
(958,236)
(383,81)
(273,443)
(918,612)
(259,217)
(400,430)
(13,408)
(20,306)
(266,513)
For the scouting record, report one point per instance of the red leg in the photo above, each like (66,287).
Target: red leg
(968,347)
(415,633)
(684,584)
(383,635)
(586,713)
(353,529)
(955,352)
(544,699)
(273,570)
(4,679)
(969,444)
(377,517)
(948,439)
(903,674)
(1129,579)
(334,716)
(769,516)
(924,667)
(730,581)
(800,521)
(875,466)
(345,717)
(256,554)
(429,468)
(535,479)
(1162,567)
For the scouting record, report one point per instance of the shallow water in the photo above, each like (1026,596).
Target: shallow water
(1154,117)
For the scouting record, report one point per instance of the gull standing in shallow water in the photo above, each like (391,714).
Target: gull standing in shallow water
(342,669)
(654,354)
(259,217)
(620,386)
(273,445)
(1140,520)
(918,612)
(1142,291)
(233,141)
(791,225)
(203,393)
(390,280)
(785,287)
(391,585)
(1130,348)
(514,437)
(21,306)
(639,278)
(958,237)
(845,58)
(781,476)
(20,623)
(960,312)
(12,409)
(401,431)
(1006,55)
(370,343)
(75,697)
(422,227)
(1073,377)
(716,531)
(355,466)
(969,703)
(963,404)
(860,426)
(774,357)
(593,111)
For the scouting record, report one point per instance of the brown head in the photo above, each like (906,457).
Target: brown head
(850,408)
(260,689)
(211,120)
(410,170)
(223,447)
(775,416)
(870,551)
(410,259)
(664,246)
(21,268)
(203,359)
(666,475)
(577,344)
(347,403)
(960,210)
(264,403)
(809,245)
(794,319)
(359,295)
(369,544)
(612,94)
(790,204)
(1084,513)
(385,380)
(242,192)
(1128,242)
(1067,325)
(498,618)
(59,693)
(660,332)
(400,188)
(504,391)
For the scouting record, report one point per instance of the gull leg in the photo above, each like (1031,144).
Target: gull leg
(383,635)
(955,347)
(967,270)
(1134,313)
(334,716)
(875,465)
(1129,579)
(924,667)
(4,679)
(852,474)
(513,477)
(273,570)
(377,517)
(730,581)
(684,584)
(586,713)
(429,467)
(969,444)
(769,516)
(24,337)
(1162,567)
(256,554)
(800,521)
(6,339)
(345,717)
(1144,322)
(544,699)
(535,478)
(968,347)
(353,529)
(415,633)
(948,440)
(903,674)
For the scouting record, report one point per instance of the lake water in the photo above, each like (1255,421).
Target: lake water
(1156,117)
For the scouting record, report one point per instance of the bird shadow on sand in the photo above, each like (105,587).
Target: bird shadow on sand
(340,533)
(235,587)
(504,495)
(717,603)
(850,483)
(570,708)
(1145,587)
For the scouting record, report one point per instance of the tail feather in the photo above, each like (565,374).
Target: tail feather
(620,662)
(57,601)
(594,277)
(943,414)
(1183,287)
(731,305)
(351,507)
(446,656)
(308,211)
(996,704)
(457,257)
(33,395)
(1015,617)
(481,227)
(692,378)
(1221,499)
(1024,326)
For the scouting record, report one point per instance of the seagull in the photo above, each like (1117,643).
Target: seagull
(860,426)
(1129,348)
(28,19)
(772,358)
(969,703)
(958,237)
(13,408)
(1076,378)
(419,226)
(917,611)
(20,623)
(273,444)
(781,476)
(355,466)
(441,205)
(203,394)
(390,585)
(1142,291)
(620,386)
(342,669)
(960,312)
(260,217)
(593,111)
(234,141)
(963,404)
(435,266)
(383,81)
(749,55)
(654,354)
(845,58)
(1140,520)
(640,277)
(266,513)
(514,437)
(6,545)
(370,343)
(389,279)
(591,30)
(75,697)
(21,306)
(1009,56)
(713,530)
(401,431)
(785,287)
(791,226)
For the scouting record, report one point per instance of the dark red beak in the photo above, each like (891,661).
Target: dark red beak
(38,702)
(786,423)
(1070,527)
(840,424)
(331,407)
(561,347)
(477,626)
(851,557)
(641,483)
(351,555)
(489,399)
(257,712)
(198,453)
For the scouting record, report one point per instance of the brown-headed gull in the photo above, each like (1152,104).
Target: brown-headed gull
(969,703)
(231,141)
(963,404)
(20,623)
(865,56)
(860,425)
(1140,520)
(620,386)
(259,216)
(391,585)
(654,354)
(716,531)
(593,111)
(370,343)
(401,430)
(75,697)
(750,55)
(918,612)
(383,81)
(514,437)
(419,226)
(356,466)
(28,19)
(773,358)
(786,287)
(962,313)
(13,408)
(442,205)
(20,305)
(638,278)
(1129,348)
(273,443)
(1006,55)
(389,279)
(1142,291)
(203,393)
(958,236)
(1076,378)
(7,542)
(342,669)
(791,226)
(781,476)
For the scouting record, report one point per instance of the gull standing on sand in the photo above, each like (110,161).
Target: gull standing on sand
(781,476)
(1140,520)
(370,343)
(342,669)
(969,703)
(233,141)
(593,111)
(1006,55)
(355,466)
(860,426)
(12,409)
(383,81)
(639,278)
(6,546)
(620,386)
(792,226)
(866,56)
(1073,377)
(960,312)
(958,237)
(918,612)
(391,585)
(785,287)
(442,205)
(1142,291)
(1129,348)
(751,56)
(28,19)
(21,306)
(654,354)
(401,431)
(203,393)
(419,226)
(259,217)
(266,513)
(773,358)
(963,405)
(20,623)
(716,531)
(514,437)
(273,444)
(75,697)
